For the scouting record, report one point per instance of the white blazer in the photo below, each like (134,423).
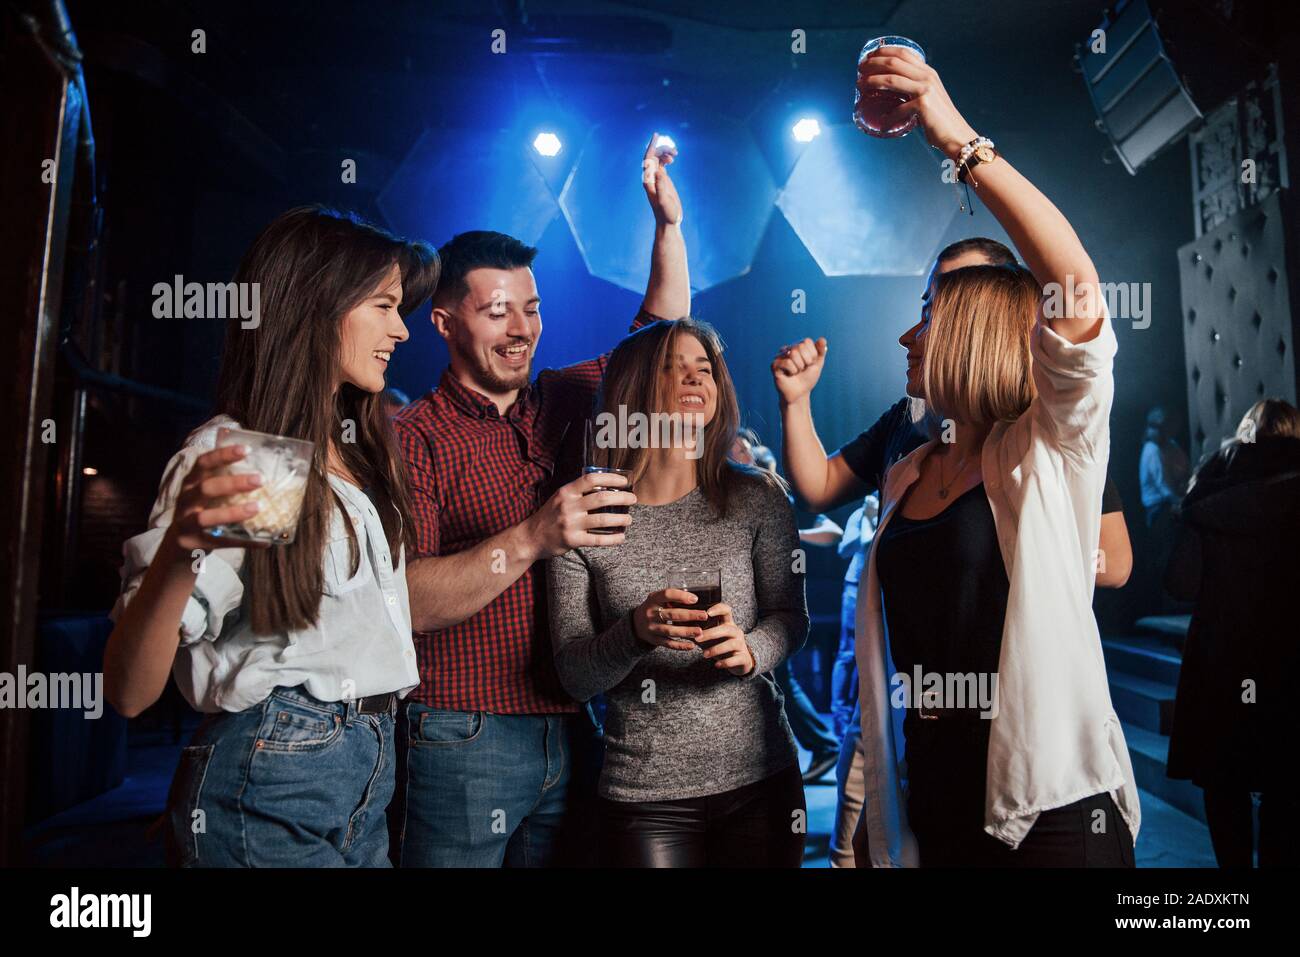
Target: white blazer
(1055,738)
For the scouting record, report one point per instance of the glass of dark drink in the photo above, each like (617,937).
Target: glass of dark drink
(871,109)
(706,585)
(608,509)
(598,458)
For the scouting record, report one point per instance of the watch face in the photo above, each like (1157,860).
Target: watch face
(984,154)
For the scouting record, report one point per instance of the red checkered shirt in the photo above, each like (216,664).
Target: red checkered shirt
(475,473)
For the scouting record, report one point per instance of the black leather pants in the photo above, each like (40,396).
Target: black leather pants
(758,825)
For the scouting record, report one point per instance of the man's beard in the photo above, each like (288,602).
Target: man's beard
(493,381)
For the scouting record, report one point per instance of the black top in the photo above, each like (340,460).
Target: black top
(945,590)
(1110,500)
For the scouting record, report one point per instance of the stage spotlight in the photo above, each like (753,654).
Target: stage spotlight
(806,129)
(548,144)
(89,471)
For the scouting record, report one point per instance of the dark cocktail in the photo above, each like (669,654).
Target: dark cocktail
(871,109)
(706,585)
(608,509)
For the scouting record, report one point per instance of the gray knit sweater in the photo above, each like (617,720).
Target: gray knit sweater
(676,726)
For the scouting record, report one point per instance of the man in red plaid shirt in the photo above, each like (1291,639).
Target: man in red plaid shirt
(489,741)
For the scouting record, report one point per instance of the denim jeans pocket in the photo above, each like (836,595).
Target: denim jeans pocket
(438,727)
(186,817)
(292,725)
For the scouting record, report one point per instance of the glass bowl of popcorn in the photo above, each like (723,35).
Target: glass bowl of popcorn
(284,465)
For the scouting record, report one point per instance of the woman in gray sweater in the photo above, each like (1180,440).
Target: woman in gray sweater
(700,765)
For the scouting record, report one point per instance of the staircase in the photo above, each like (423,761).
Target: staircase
(1143,674)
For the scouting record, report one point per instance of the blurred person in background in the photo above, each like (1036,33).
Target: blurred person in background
(1237,560)
(810,730)
(1162,472)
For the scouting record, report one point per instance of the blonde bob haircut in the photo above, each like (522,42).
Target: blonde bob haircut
(976,367)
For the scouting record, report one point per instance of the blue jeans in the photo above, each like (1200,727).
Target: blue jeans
(844,675)
(489,790)
(806,724)
(291,782)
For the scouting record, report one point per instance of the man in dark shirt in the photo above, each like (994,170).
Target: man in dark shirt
(890,437)
(487,745)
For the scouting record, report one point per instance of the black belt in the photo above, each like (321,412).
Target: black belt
(378,703)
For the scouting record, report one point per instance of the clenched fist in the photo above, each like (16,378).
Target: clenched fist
(797,367)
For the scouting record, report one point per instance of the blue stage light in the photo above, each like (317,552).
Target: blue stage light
(868,207)
(435,193)
(724,182)
(548,144)
(806,130)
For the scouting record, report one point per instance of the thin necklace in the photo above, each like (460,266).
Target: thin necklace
(943,489)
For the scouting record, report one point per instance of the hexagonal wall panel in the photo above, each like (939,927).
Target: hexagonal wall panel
(868,207)
(450,183)
(726,189)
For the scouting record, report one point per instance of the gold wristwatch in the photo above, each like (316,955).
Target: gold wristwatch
(981,150)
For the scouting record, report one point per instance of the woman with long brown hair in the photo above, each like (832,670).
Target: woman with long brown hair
(700,766)
(297,653)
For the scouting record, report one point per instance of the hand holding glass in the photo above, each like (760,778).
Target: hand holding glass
(284,465)
(706,585)
(871,109)
(596,461)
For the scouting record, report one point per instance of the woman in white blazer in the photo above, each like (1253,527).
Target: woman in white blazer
(974,616)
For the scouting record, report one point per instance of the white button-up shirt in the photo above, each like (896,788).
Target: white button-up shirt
(1055,738)
(361,644)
